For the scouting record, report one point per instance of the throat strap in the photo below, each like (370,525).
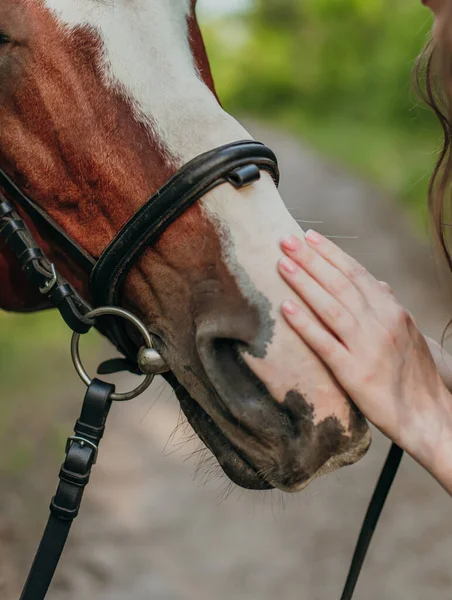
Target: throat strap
(45,223)
(40,271)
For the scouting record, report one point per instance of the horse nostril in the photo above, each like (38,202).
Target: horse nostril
(237,330)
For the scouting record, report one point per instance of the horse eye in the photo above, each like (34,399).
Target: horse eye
(4,39)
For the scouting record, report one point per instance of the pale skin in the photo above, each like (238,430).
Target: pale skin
(396,377)
(400,380)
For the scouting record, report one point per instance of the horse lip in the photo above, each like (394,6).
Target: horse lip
(240,467)
(271,475)
(234,463)
(258,442)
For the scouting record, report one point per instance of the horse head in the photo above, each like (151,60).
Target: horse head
(101,102)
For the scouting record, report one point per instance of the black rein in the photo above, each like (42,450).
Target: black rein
(239,164)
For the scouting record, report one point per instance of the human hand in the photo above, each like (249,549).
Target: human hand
(371,344)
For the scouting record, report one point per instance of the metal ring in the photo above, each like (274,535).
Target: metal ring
(75,350)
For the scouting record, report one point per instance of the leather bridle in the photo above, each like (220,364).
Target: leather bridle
(239,164)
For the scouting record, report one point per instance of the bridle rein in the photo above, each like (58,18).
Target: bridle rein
(239,164)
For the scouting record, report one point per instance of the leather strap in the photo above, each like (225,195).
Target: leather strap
(189,184)
(238,163)
(42,220)
(371,519)
(40,271)
(81,455)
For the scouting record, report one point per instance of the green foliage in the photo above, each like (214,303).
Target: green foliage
(25,340)
(338,72)
(34,363)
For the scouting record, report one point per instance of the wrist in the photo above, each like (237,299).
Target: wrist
(443,362)
(431,444)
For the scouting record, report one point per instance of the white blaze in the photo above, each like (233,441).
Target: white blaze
(147,54)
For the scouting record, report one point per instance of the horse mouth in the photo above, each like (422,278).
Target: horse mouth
(261,443)
(234,463)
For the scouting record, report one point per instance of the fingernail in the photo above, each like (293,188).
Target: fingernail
(313,237)
(290,243)
(289,307)
(288,265)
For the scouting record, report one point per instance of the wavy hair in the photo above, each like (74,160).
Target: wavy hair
(433,82)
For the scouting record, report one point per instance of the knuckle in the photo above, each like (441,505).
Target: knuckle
(386,287)
(356,270)
(401,317)
(330,250)
(328,349)
(332,313)
(396,326)
(348,326)
(309,257)
(389,335)
(339,285)
(412,320)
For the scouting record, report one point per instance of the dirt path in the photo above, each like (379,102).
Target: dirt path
(150,531)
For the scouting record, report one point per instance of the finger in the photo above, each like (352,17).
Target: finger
(332,313)
(346,264)
(326,346)
(386,287)
(326,274)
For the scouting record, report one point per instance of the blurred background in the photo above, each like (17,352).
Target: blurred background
(337,74)
(326,83)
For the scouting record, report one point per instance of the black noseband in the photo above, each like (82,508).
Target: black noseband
(238,163)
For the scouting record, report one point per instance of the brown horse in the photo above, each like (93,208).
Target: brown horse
(101,101)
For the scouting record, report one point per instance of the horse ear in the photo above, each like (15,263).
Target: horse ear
(199,51)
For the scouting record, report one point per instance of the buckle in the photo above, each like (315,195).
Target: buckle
(81,441)
(49,285)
